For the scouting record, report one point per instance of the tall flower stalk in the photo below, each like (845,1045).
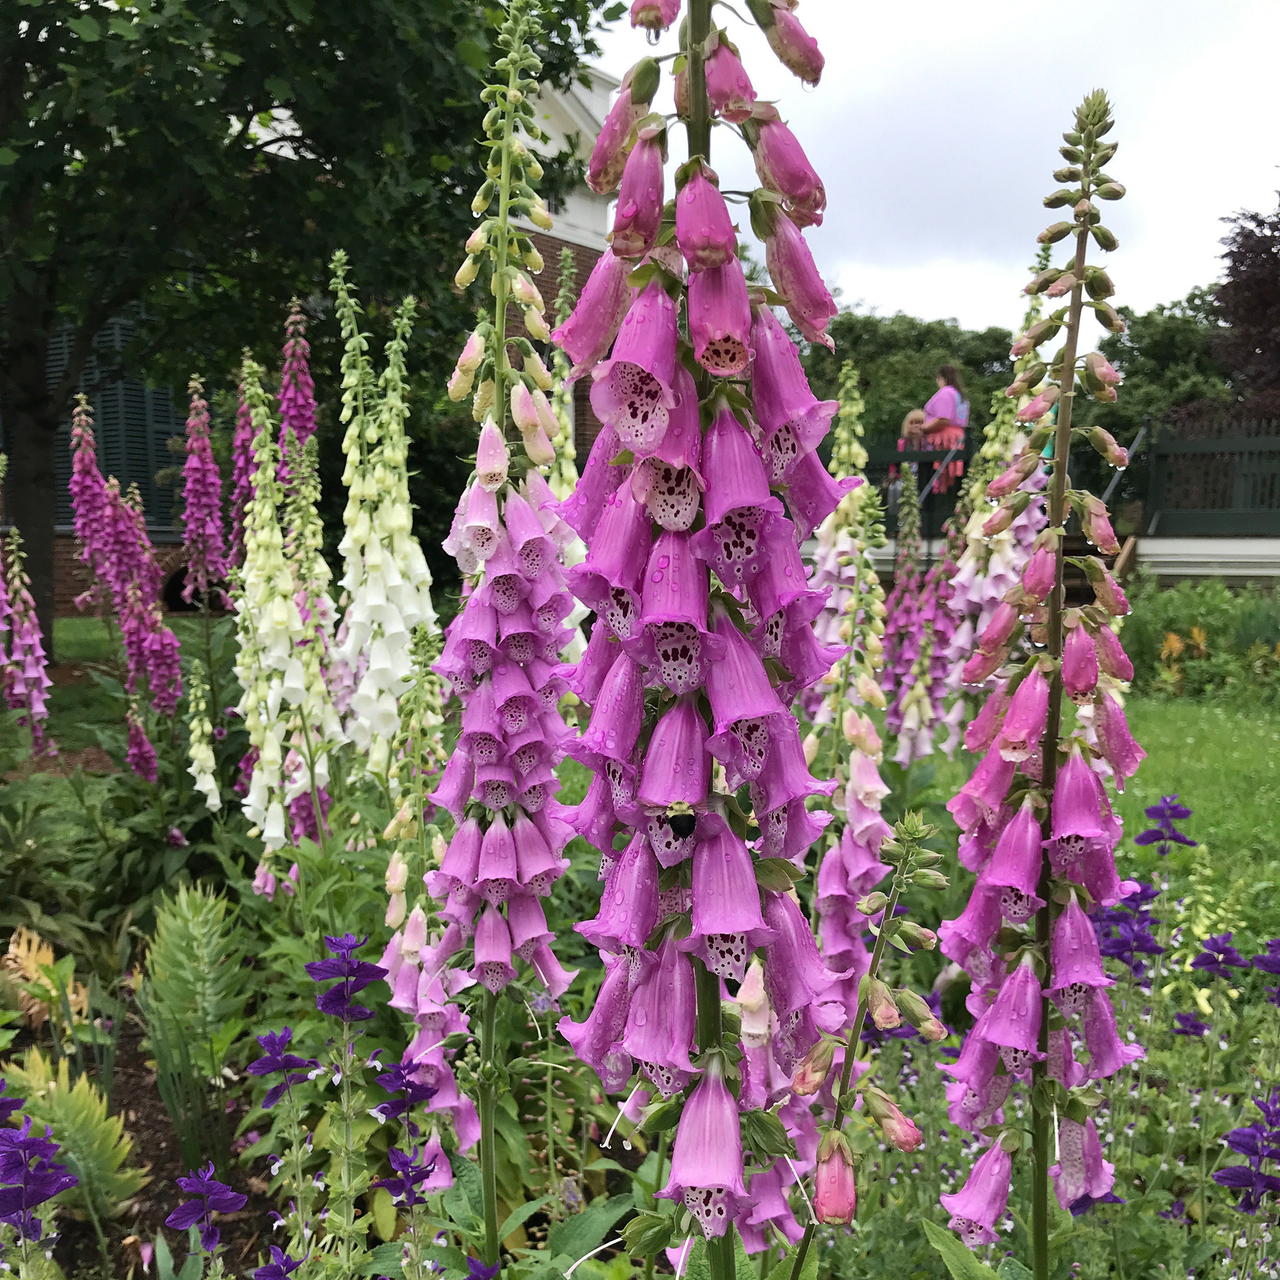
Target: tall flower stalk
(703,638)
(1036,822)
(26,679)
(501,652)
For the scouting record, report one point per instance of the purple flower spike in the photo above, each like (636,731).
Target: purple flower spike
(980,1203)
(727,923)
(212,1197)
(706,1159)
(639,211)
(704,229)
(660,1025)
(202,505)
(720,319)
(353,976)
(1164,833)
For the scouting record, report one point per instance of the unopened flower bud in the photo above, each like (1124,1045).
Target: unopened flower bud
(1035,409)
(835,1184)
(477,240)
(536,325)
(1038,576)
(813,1071)
(872,904)
(1032,337)
(1059,231)
(869,691)
(811,745)
(1109,317)
(485,398)
(916,936)
(1097,525)
(918,1013)
(982,666)
(539,448)
(539,216)
(1005,514)
(538,371)
(467,272)
(1021,470)
(396,908)
(1110,191)
(525,292)
(483,197)
(1105,443)
(1106,589)
(928,878)
(1061,198)
(438,848)
(1061,286)
(1097,283)
(1105,238)
(880,1005)
(1102,368)
(1042,280)
(898,1130)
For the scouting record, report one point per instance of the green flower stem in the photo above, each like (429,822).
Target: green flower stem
(343,1195)
(488,1078)
(1042,1117)
(501,366)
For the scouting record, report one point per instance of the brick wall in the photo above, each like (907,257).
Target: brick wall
(70,577)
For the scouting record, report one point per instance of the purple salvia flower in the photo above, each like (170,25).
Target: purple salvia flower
(1164,833)
(353,976)
(277,1060)
(280,1267)
(202,505)
(211,1196)
(1219,957)
(29,1177)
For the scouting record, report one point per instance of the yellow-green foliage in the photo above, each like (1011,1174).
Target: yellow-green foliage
(94,1144)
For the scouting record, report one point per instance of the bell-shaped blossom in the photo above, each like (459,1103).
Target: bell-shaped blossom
(797,50)
(783,167)
(835,1183)
(598,1040)
(706,1158)
(1080,1171)
(655,15)
(1079,665)
(632,390)
(727,921)
(1077,960)
(612,146)
(1111,655)
(720,318)
(608,580)
(670,482)
(605,299)
(1108,1054)
(729,88)
(704,229)
(1115,741)
(629,904)
(980,1204)
(1024,721)
(795,276)
(660,1024)
(638,214)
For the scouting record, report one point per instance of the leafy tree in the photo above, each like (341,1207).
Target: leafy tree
(1249,299)
(897,358)
(197,162)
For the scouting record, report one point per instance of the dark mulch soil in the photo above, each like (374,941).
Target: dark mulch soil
(245,1235)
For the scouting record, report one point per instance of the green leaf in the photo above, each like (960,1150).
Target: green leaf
(384,1213)
(959,1261)
(648,1233)
(279,89)
(467,1176)
(777,874)
(784,1268)
(575,1237)
(518,1217)
(1012,1269)
(763,1132)
(86,28)
(123,28)
(385,1260)
(474,54)
(8,156)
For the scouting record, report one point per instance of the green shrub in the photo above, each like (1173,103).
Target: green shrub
(94,1145)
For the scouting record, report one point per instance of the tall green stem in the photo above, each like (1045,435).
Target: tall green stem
(1042,1118)
(488,1078)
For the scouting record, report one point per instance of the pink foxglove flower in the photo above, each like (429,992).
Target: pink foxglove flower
(640,199)
(783,167)
(704,230)
(609,155)
(728,85)
(980,1203)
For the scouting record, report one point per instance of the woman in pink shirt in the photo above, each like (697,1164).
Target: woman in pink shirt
(946,416)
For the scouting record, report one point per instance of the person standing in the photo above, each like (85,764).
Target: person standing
(946,417)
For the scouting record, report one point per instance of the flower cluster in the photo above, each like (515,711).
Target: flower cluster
(203,536)
(338,1001)
(209,1197)
(693,504)
(26,679)
(1259,1143)
(563,477)
(297,392)
(1037,826)
(918,628)
(385,576)
(116,548)
(1126,930)
(29,1175)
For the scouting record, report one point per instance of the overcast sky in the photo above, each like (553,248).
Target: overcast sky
(936,128)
